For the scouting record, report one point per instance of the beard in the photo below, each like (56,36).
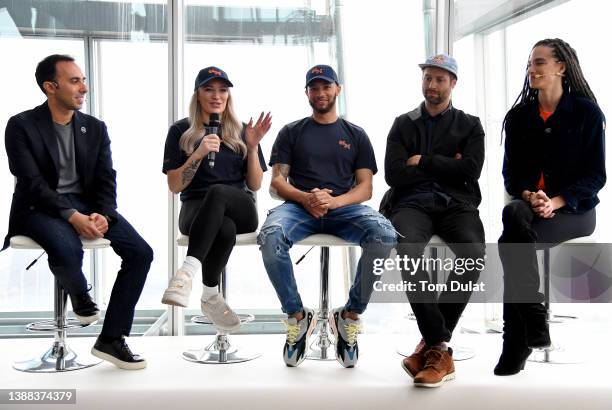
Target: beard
(434,99)
(325,109)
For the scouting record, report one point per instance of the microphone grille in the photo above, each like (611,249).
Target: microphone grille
(214,119)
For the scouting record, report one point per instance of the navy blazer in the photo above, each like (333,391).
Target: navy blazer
(33,155)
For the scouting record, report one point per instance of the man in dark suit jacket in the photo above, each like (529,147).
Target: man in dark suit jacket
(66,188)
(432,163)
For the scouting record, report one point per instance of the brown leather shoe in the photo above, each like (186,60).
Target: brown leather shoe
(439,367)
(416,361)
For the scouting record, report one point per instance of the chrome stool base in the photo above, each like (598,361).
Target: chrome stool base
(322,348)
(221,351)
(461,353)
(554,355)
(59,358)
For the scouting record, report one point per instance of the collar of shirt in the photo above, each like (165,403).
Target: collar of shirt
(565,104)
(425,114)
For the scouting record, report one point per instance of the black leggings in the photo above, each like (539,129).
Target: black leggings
(212,224)
(523,234)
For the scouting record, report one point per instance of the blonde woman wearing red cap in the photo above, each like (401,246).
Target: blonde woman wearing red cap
(214,167)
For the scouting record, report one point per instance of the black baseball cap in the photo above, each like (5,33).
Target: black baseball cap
(211,73)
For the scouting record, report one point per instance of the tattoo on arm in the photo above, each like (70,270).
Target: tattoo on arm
(190,171)
(279,169)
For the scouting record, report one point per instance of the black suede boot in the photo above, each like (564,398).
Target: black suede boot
(515,350)
(536,324)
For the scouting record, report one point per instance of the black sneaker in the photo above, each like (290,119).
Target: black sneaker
(84,308)
(118,353)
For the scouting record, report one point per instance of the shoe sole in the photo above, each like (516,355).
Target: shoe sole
(119,363)
(309,331)
(448,377)
(407,370)
(88,320)
(174,299)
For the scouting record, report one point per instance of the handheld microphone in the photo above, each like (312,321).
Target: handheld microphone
(213,128)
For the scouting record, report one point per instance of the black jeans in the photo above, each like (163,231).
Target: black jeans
(212,224)
(459,225)
(65,255)
(523,234)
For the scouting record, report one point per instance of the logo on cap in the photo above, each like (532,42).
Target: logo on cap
(215,72)
(439,59)
(317,70)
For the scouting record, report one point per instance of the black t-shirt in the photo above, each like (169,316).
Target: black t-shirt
(230,168)
(323,155)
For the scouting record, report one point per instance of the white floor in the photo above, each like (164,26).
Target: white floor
(378,382)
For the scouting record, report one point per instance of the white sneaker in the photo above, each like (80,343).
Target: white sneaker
(178,291)
(222,316)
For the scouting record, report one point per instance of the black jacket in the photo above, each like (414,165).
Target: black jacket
(33,155)
(568,149)
(456,132)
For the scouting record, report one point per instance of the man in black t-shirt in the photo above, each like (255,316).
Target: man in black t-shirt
(323,167)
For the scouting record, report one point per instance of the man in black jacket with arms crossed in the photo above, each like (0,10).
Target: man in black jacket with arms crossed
(433,160)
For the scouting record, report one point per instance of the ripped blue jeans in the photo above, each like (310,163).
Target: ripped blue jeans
(290,222)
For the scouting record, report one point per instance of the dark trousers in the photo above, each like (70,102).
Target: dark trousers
(212,224)
(65,256)
(459,225)
(524,233)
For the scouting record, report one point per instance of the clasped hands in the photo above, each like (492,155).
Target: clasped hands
(89,226)
(318,201)
(540,203)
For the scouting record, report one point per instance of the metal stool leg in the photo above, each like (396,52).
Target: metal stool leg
(59,358)
(555,354)
(322,340)
(221,351)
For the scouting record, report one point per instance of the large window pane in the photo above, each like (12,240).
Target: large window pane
(20,289)
(121,46)
(499,56)
(266,55)
(266,48)
(133,102)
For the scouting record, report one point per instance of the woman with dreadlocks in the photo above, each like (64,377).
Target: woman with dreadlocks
(554,165)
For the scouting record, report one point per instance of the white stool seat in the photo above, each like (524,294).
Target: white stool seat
(25,242)
(319,239)
(241,239)
(582,239)
(436,241)
(323,239)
